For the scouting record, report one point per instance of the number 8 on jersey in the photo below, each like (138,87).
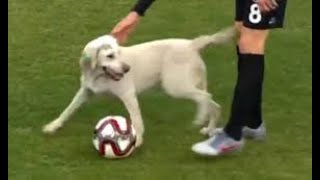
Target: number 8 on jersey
(255,14)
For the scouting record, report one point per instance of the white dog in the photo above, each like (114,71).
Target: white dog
(108,68)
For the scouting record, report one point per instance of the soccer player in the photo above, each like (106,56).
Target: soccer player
(253,20)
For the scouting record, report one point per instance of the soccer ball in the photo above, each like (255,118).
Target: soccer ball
(114,137)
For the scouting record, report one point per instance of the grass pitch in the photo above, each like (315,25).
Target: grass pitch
(45,41)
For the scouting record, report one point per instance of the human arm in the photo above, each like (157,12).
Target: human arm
(122,30)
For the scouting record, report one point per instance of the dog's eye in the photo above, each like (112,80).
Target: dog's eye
(111,56)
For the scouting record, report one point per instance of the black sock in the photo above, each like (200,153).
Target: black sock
(238,50)
(246,105)
(255,116)
(239,58)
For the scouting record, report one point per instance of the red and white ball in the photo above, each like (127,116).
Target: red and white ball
(114,137)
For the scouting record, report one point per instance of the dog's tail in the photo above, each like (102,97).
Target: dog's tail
(220,37)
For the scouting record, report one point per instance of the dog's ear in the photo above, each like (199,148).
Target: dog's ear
(89,55)
(85,57)
(95,54)
(94,62)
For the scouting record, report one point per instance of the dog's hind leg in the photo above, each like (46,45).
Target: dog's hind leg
(191,83)
(200,97)
(214,109)
(81,96)
(214,116)
(208,110)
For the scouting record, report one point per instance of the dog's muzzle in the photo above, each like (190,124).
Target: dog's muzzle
(116,76)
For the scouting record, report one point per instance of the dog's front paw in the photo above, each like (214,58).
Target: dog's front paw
(51,127)
(209,131)
(139,141)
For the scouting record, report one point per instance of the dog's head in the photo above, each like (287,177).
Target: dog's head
(104,55)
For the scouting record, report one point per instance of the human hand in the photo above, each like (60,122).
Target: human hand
(267,5)
(125,27)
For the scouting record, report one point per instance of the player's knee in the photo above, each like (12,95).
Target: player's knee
(252,41)
(250,45)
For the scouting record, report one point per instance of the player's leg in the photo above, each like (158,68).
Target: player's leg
(254,34)
(246,105)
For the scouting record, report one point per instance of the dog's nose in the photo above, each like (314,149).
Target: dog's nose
(104,68)
(126,68)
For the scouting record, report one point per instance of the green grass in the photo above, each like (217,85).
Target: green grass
(45,41)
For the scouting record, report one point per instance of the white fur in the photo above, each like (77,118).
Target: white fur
(174,63)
